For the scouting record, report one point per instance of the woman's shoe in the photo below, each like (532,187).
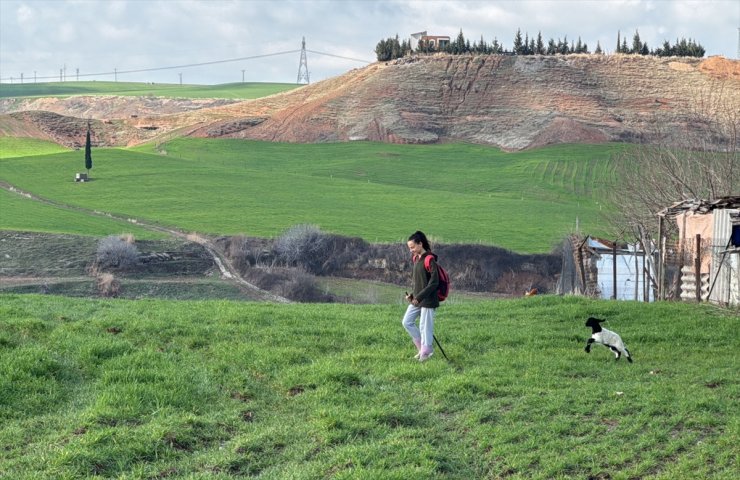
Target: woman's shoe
(423,357)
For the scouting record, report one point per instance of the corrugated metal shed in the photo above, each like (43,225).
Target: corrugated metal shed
(723,215)
(725,272)
(630,267)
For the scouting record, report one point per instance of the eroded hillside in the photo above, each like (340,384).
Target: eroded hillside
(506,101)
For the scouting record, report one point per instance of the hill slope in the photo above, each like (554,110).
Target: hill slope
(506,101)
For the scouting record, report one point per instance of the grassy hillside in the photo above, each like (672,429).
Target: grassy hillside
(23,147)
(155,389)
(65,89)
(23,214)
(523,201)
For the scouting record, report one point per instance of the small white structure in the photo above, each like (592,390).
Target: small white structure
(81,177)
(589,269)
(432,42)
(634,274)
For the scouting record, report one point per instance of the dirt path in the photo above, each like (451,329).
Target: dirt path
(224,265)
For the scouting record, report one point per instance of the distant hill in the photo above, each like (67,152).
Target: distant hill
(505,101)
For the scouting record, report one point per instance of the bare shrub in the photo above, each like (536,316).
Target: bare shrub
(303,287)
(115,253)
(268,279)
(305,246)
(108,285)
(344,253)
(128,238)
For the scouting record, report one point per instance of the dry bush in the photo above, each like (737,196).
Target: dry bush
(292,283)
(269,279)
(128,238)
(304,246)
(108,285)
(247,252)
(343,253)
(115,253)
(303,287)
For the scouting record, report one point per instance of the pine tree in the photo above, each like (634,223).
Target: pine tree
(636,43)
(619,45)
(540,46)
(459,46)
(88,153)
(518,49)
(598,48)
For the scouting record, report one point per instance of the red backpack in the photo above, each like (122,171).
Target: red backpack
(443,290)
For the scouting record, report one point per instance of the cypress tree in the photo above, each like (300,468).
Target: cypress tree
(88,153)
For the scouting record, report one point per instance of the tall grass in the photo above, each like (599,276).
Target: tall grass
(456,192)
(159,389)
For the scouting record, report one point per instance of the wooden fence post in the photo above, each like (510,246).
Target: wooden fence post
(614,269)
(697,268)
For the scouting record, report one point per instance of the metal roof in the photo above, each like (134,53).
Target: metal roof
(701,206)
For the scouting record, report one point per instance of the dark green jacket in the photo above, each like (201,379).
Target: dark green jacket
(425,284)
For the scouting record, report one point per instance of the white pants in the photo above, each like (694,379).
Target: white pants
(425,331)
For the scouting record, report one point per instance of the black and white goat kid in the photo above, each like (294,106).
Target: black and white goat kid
(607,338)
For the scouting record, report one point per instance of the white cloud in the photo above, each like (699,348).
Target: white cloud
(99,35)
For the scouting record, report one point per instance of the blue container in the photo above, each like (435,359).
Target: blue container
(736,235)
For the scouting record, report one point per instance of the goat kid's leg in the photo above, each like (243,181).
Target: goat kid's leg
(616,351)
(588,345)
(627,354)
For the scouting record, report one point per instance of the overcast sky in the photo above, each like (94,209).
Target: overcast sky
(42,37)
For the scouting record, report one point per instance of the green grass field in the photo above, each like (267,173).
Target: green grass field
(218,389)
(23,214)
(65,89)
(524,201)
(23,147)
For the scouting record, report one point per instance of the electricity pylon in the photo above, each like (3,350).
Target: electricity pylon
(303,65)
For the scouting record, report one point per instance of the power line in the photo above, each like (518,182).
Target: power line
(117,72)
(339,56)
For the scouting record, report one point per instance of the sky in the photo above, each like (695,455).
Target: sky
(225,41)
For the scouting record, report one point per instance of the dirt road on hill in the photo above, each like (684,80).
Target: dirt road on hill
(224,265)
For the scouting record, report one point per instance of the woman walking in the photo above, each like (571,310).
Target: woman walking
(423,298)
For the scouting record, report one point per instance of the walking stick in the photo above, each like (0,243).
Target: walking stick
(440,347)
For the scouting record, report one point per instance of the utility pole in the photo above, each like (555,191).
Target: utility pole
(242,76)
(303,65)
(115,74)
(21,77)
(78,74)
(180,78)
